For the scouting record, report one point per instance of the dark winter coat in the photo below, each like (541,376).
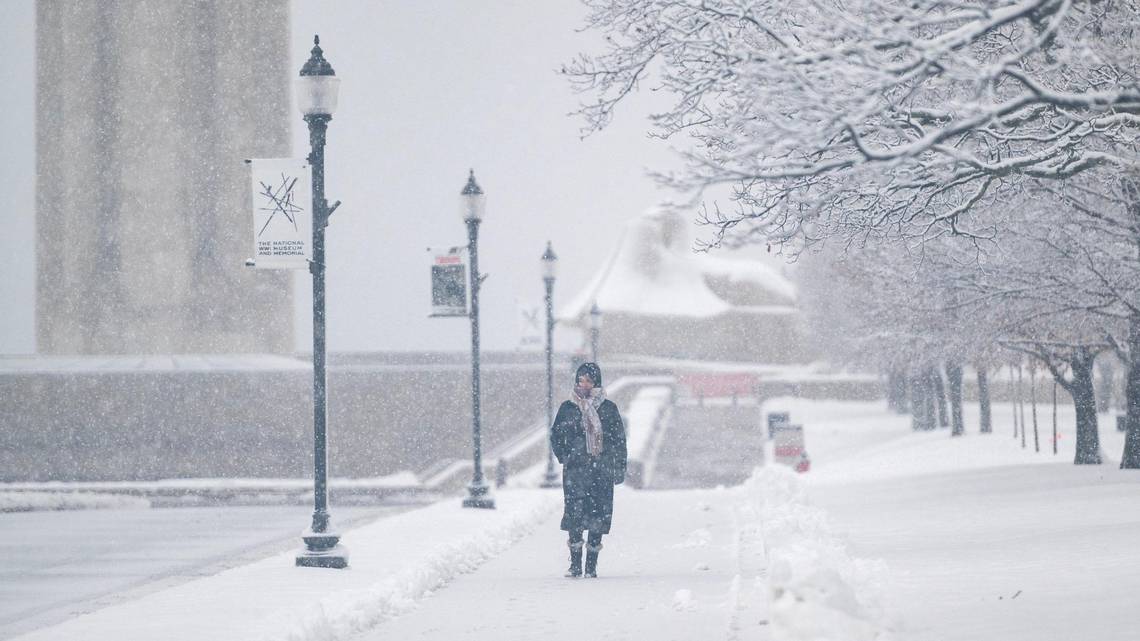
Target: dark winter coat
(588,481)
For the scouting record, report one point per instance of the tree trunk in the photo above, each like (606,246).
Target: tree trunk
(933,386)
(986,422)
(1033,404)
(1054,417)
(919,392)
(939,392)
(914,390)
(1021,402)
(1130,459)
(954,380)
(1013,399)
(1084,400)
(1104,386)
(896,391)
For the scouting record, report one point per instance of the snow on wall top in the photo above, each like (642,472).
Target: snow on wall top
(41,363)
(654,272)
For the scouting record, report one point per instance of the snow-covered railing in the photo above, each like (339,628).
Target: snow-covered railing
(447,475)
(646,420)
(225,489)
(444,474)
(525,448)
(31,501)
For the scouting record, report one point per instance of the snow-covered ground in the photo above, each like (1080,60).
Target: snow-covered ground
(55,565)
(85,495)
(984,539)
(892,535)
(31,501)
(863,441)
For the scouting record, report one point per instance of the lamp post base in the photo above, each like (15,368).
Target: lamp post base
(322,550)
(479,496)
(551,480)
(335,557)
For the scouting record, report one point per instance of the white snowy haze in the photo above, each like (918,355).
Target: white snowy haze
(428,91)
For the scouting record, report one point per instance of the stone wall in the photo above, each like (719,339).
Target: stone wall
(141,425)
(137,419)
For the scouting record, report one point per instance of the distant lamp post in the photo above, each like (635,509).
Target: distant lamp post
(473,203)
(316,96)
(595,329)
(549,272)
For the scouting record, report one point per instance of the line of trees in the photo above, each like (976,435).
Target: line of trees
(966,173)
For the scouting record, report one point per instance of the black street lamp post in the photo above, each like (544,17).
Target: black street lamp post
(595,328)
(473,203)
(316,96)
(549,271)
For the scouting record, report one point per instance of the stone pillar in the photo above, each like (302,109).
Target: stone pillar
(145,110)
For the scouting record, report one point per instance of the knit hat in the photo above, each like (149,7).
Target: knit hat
(592,370)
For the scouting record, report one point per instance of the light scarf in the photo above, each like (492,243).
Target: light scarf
(591,422)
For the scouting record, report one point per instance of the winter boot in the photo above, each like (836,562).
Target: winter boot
(575,570)
(592,560)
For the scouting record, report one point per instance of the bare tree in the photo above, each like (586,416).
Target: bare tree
(1072,366)
(899,316)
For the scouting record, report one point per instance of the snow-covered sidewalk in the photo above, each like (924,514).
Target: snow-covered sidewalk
(676,567)
(394,562)
(668,571)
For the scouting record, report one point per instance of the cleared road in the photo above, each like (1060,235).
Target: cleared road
(55,565)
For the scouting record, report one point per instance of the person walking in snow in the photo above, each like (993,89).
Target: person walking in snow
(588,439)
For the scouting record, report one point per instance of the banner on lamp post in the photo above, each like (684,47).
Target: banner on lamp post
(282,207)
(532,321)
(448,282)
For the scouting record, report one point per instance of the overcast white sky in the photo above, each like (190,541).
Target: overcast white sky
(427,91)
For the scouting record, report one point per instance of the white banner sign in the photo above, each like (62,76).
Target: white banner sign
(532,322)
(282,213)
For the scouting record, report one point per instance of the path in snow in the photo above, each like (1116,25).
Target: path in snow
(666,572)
(709,446)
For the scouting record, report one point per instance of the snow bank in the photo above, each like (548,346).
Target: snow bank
(817,592)
(683,600)
(345,614)
(35,501)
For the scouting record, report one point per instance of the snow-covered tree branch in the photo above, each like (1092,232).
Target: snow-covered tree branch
(869,118)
